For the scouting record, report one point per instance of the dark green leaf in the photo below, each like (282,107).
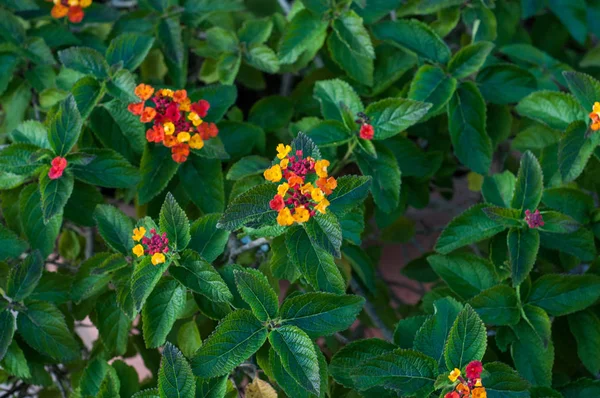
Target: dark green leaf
(497,305)
(200,277)
(555,109)
(157,169)
(298,35)
(84,60)
(207,239)
(564,294)
(115,227)
(175,378)
(467,339)
(250,209)
(129,48)
(143,280)
(24,277)
(469,59)
(385,175)
(162,308)
(40,235)
(255,290)
(113,324)
(65,127)
(431,85)
(107,168)
(394,115)
(523,245)
(466,274)
(529,185)
(174,222)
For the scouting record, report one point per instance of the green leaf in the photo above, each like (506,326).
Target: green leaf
(115,227)
(351,357)
(207,239)
(466,274)
(43,328)
(498,189)
(14,362)
(200,277)
(404,371)
(271,113)
(469,59)
(129,48)
(558,223)
(113,324)
(564,294)
(248,166)
(314,262)
(324,231)
(469,227)
(65,127)
(335,96)
(530,184)
(122,86)
(11,28)
(10,244)
(55,193)
(302,30)
(500,380)
(31,132)
(579,243)
(497,306)
(174,222)
(394,115)
(361,264)
(263,58)
(415,36)
(555,109)
(584,87)
(237,337)
(574,150)
(87,93)
(20,158)
(505,83)
(466,122)
(504,216)
(255,290)
(385,175)
(569,201)
(220,98)
(148,393)
(172,45)
(157,169)
(7,329)
(321,314)
(250,209)
(40,235)
(467,339)
(523,245)
(24,277)
(585,326)
(188,338)
(432,85)
(329,133)
(255,31)
(572,14)
(351,191)
(143,280)
(92,377)
(84,60)
(431,338)
(162,308)
(175,378)
(283,378)
(106,168)
(298,356)
(202,179)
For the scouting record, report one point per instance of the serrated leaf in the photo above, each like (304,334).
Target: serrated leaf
(555,109)
(329,133)
(162,308)
(255,290)
(157,168)
(321,314)
(498,189)
(84,60)
(394,115)
(504,216)
(129,48)
(202,179)
(431,85)
(335,96)
(7,329)
(220,98)
(469,59)
(585,327)
(250,208)
(115,227)
(579,243)
(65,127)
(469,227)
(206,239)
(55,193)
(505,83)
(113,325)
(188,338)
(87,93)
(529,185)
(298,35)
(503,381)
(24,277)
(497,305)
(466,274)
(107,168)
(350,47)
(385,175)
(564,294)
(558,223)
(10,244)
(175,378)
(44,329)
(19,158)
(92,377)
(523,245)
(238,336)
(174,222)
(200,277)
(143,280)
(467,339)
(14,362)
(40,235)
(574,150)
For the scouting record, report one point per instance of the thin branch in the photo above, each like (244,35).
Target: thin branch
(371,312)
(248,246)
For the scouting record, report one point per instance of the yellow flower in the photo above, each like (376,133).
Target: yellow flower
(478,383)
(185,105)
(301,215)
(196,142)
(195,119)
(273,174)
(282,189)
(283,150)
(284,218)
(454,375)
(138,250)
(321,167)
(596,107)
(165,92)
(158,258)
(317,195)
(73,3)
(138,233)
(284,163)
(479,393)
(322,205)
(183,137)
(306,188)
(85,3)
(169,128)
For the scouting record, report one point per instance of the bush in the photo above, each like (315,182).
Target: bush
(212,198)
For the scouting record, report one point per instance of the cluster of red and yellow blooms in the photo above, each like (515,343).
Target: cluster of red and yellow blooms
(73,9)
(57,167)
(177,122)
(469,387)
(296,192)
(595,116)
(156,245)
(366,131)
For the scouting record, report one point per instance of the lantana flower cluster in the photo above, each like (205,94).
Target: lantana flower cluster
(595,116)
(297,199)
(469,387)
(177,122)
(157,245)
(73,9)
(534,220)
(58,166)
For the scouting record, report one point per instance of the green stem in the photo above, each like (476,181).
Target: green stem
(345,160)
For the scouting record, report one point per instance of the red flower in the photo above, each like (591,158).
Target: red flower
(180,152)
(58,167)
(155,134)
(474,370)
(172,112)
(277,203)
(366,131)
(136,109)
(75,14)
(208,130)
(452,394)
(201,107)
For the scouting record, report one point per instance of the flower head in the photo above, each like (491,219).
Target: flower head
(595,116)
(474,369)
(58,166)
(534,220)
(176,121)
(366,132)
(71,8)
(156,245)
(454,375)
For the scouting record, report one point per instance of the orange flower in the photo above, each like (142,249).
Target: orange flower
(75,14)
(59,11)
(136,109)
(479,392)
(155,134)
(144,91)
(179,96)
(295,180)
(148,115)
(180,152)
(595,116)
(321,167)
(169,141)
(327,185)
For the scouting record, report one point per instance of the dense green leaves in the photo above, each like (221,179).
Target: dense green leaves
(162,308)
(394,115)
(199,276)
(255,290)
(130,49)
(24,277)
(466,274)
(143,280)
(555,109)
(55,193)
(65,127)
(564,294)
(432,85)
(175,378)
(115,227)
(7,329)
(304,28)
(157,169)
(469,59)
(467,339)
(106,168)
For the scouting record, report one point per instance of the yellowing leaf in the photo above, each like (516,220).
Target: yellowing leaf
(260,389)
